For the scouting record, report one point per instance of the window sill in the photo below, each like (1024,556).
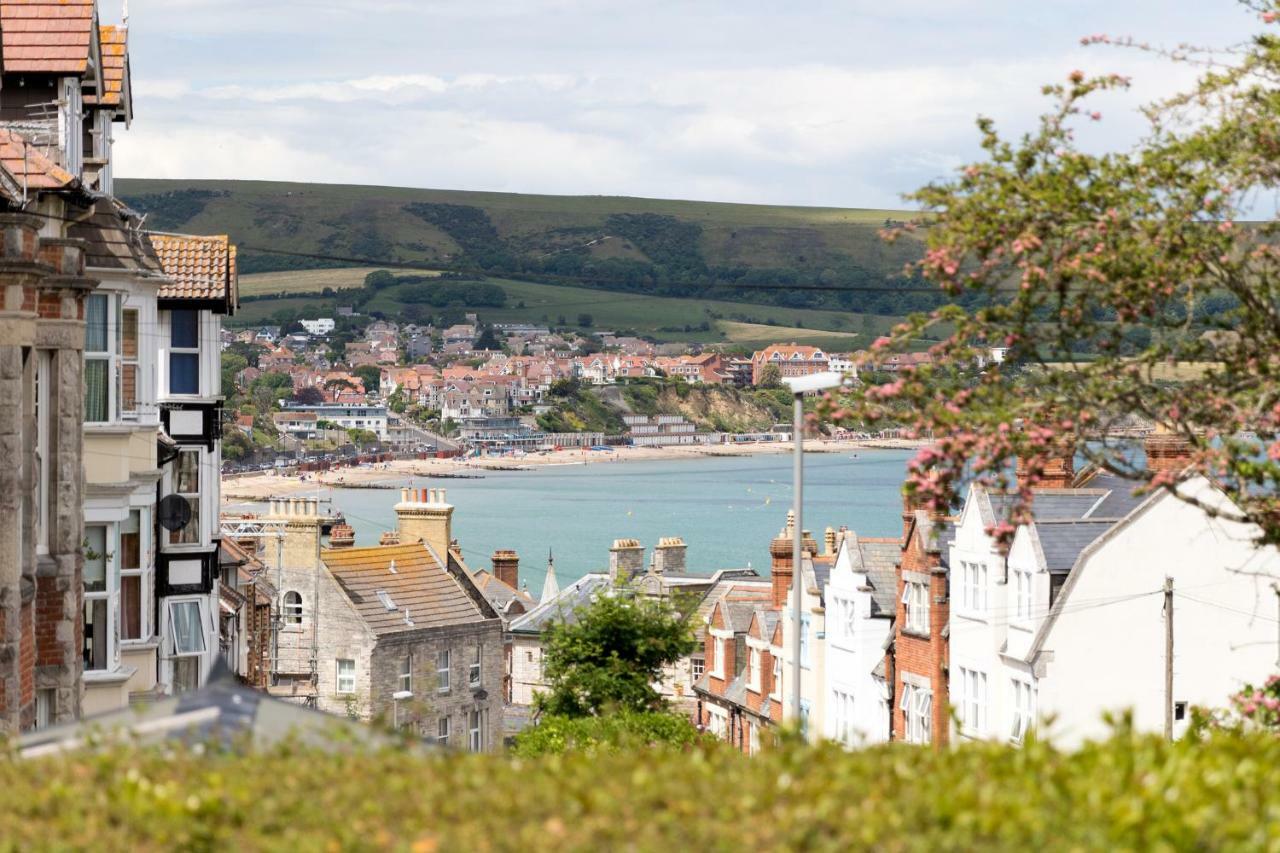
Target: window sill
(114,427)
(140,645)
(972,617)
(109,676)
(917,634)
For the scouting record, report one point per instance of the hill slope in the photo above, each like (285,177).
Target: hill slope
(741,252)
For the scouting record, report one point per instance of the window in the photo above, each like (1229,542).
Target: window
(292,608)
(442,671)
(699,666)
(1023,709)
(134,586)
(346,676)
(804,640)
(804,717)
(184,352)
(776,693)
(99,591)
(46,700)
(187,639)
(1022,593)
(473,676)
(717,658)
(973,587)
(850,618)
(97,357)
(916,704)
(186,483)
(475,740)
(916,598)
(406,674)
(718,722)
(753,669)
(973,701)
(129,362)
(442,731)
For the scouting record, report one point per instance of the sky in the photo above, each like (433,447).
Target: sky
(845,103)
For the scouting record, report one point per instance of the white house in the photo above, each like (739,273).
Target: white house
(321,326)
(1072,625)
(859,624)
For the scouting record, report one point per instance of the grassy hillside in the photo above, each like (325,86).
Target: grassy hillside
(660,317)
(786,256)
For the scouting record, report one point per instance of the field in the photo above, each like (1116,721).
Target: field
(663,318)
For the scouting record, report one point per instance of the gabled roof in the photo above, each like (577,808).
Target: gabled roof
(202,268)
(32,169)
(562,607)
(877,558)
(115,68)
(113,238)
(1062,541)
(46,36)
(432,597)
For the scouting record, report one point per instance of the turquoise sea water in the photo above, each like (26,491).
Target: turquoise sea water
(726,509)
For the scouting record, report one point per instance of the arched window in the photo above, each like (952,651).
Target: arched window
(293,608)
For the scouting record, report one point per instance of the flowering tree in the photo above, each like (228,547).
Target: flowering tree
(1104,275)
(1260,706)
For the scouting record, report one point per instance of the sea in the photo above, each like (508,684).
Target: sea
(726,509)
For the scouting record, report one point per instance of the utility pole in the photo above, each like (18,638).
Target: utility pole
(1168,658)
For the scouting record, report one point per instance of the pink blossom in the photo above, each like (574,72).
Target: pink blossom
(1076,76)
(1268,17)
(1095,115)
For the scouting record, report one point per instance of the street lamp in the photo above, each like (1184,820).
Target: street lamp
(396,698)
(801,385)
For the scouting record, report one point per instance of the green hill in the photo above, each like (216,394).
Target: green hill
(790,257)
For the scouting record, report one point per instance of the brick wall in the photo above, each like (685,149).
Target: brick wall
(923,656)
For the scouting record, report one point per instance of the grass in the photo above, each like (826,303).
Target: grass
(661,317)
(306,281)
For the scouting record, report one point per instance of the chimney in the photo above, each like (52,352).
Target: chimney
(829,542)
(781,568)
(669,556)
(626,560)
(342,536)
(1166,451)
(506,567)
(1059,469)
(423,515)
(301,543)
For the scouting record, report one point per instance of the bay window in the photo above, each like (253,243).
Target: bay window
(186,641)
(129,362)
(134,587)
(186,483)
(98,355)
(184,352)
(99,594)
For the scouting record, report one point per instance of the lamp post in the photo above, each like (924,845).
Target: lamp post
(801,385)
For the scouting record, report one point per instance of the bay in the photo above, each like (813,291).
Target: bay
(727,509)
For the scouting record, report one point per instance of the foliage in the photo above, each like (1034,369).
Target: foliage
(169,211)
(1126,793)
(624,730)
(441,294)
(584,320)
(1137,255)
(308,396)
(1260,706)
(487,340)
(370,375)
(379,279)
(609,654)
(469,227)
(362,437)
(770,376)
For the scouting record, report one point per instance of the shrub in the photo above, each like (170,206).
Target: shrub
(611,732)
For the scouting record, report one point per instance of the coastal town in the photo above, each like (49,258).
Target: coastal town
(229,535)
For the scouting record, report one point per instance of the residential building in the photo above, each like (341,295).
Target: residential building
(861,599)
(247,612)
(201,289)
(346,415)
(790,359)
(318,327)
(1075,624)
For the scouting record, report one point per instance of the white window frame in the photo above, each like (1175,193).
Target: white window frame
(1022,591)
(776,687)
(110,592)
(475,730)
(698,667)
(850,618)
(917,707)
(717,659)
(134,361)
(805,623)
(915,597)
(754,661)
(143,573)
(973,702)
(171,636)
(195,499)
(718,721)
(345,682)
(474,671)
(405,679)
(1022,707)
(444,662)
(291,610)
(109,356)
(442,730)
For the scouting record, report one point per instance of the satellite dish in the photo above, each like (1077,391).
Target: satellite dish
(173,512)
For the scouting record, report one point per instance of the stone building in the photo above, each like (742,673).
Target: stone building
(399,631)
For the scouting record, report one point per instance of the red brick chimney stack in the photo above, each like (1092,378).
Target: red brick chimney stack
(1166,451)
(506,567)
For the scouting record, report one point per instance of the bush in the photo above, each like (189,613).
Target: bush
(1130,792)
(611,733)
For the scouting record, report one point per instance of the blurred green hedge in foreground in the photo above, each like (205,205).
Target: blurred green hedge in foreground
(1129,793)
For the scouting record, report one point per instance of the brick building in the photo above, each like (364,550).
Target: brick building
(790,359)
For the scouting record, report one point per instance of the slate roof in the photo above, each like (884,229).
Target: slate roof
(202,268)
(113,238)
(768,620)
(30,168)
(880,562)
(224,712)
(563,607)
(499,593)
(1062,541)
(1120,499)
(46,36)
(739,586)
(433,597)
(115,56)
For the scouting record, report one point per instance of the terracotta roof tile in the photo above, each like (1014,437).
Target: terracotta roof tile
(201,267)
(433,597)
(115,57)
(30,167)
(46,35)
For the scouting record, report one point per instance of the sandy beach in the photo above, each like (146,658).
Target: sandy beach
(397,473)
